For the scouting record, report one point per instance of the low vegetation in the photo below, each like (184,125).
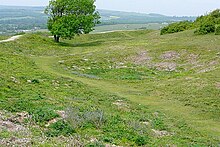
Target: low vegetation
(204,24)
(177,27)
(217,30)
(132,88)
(3,37)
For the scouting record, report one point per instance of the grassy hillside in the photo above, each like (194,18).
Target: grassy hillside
(120,17)
(132,88)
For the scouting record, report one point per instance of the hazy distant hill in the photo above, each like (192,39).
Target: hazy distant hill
(16,19)
(118,17)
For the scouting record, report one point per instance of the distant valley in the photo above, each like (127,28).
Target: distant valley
(14,19)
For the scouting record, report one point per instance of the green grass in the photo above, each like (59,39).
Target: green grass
(3,37)
(111,85)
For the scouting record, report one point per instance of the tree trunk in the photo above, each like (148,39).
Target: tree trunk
(56,38)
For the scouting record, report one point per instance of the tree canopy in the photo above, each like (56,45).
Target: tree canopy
(68,18)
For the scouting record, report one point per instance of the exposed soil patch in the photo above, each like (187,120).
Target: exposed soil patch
(192,58)
(120,104)
(10,126)
(170,55)
(213,63)
(166,66)
(9,121)
(62,114)
(207,70)
(19,117)
(142,58)
(208,67)
(145,123)
(161,133)
(19,142)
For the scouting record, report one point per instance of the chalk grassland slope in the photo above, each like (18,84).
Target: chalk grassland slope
(123,88)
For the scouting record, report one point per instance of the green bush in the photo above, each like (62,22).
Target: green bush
(217,30)
(215,15)
(206,28)
(177,27)
(205,24)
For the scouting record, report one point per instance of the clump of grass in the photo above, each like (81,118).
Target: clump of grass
(60,128)
(117,129)
(43,115)
(17,105)
(82,118)
(159,124)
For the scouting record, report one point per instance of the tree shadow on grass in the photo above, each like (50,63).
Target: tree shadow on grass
(86,44)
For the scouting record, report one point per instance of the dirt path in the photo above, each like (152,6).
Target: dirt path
(13,38)
(173,109)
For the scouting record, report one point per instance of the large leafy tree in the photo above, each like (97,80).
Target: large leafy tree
(68,18)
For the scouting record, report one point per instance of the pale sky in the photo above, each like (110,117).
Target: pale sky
(166,7)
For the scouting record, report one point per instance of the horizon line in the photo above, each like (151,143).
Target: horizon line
(110,10)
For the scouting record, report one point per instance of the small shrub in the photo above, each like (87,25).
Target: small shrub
(138,127)
(108,139)
(60,128)
(79,118)
(177,27)
(43,115)
(158,124)
(217,30)
(35,81)
(141,140)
